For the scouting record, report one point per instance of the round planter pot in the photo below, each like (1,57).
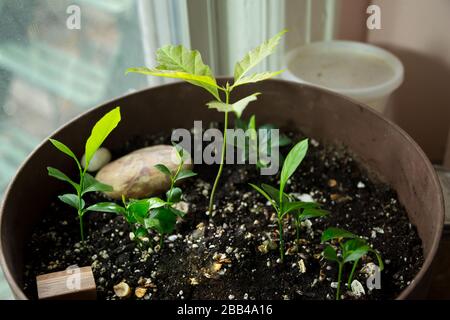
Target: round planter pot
(380,145)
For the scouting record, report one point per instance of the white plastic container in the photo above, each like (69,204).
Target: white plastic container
(358,70)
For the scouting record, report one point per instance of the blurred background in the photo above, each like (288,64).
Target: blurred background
(50,73)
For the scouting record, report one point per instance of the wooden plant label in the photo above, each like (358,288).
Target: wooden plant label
(74,283)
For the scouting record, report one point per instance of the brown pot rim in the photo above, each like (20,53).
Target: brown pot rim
(19,294)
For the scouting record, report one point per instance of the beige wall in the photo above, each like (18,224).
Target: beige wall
(418,32)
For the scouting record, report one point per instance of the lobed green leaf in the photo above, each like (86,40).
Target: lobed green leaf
(256,77)
(181,63)
(255,56)
(238,107)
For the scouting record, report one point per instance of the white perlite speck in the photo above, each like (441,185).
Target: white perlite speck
(360,185)
(315,143)
(357,288)
(378,230)
(305,197)
(172,237)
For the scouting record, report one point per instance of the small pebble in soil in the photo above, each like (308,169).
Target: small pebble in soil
(122,290)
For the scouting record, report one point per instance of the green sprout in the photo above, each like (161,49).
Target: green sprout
(264,141)
(153,213)
(351,251)
(163,217)
(282,202)
(133,211)
(87,182)
(181,63)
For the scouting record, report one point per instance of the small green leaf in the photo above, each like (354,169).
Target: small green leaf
(312,213)
(220,106)
(206,82)
(177,212)
(239,123)
(380,261)
(336,233)
(72,200)
(330,253)
(255,56)
(138,209)
(238,107)
(256,77)
(296,205)
(109,207)
(92,185)
(292,161)
(283,140)
(184,174)
(174,195)
(275,194)
(156,202)
(262,192)
(353,244)
(179,150)
(100,132)
(356,254)
(141,233)
(162,220)
(162,168)
(252,126)
(55,173)
(65,149)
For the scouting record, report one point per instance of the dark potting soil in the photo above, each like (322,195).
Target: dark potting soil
(222,255)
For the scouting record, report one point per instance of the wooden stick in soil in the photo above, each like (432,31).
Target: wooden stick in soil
(73,283)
